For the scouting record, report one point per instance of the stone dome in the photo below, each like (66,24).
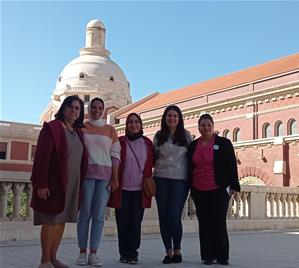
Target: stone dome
(95,23)
(93,73)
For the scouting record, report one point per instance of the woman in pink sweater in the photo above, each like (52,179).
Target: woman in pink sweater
(130,200)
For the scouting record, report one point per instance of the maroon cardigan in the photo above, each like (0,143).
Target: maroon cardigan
(50,167)
(115,197)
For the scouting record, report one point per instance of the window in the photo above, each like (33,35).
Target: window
(111,78)
(292,127)
(267,131)
(278,129)
(226,134)
(3,150)
(236,134)
(86,98)
(82,75)
(33,150)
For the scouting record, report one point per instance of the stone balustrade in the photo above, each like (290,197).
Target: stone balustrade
(253,202)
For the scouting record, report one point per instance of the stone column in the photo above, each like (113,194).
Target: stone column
(108,214)
(257,208)
(17,190)
(29,212)
(4,190)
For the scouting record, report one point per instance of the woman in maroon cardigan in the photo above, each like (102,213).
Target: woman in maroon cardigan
(130,200)
(58,169)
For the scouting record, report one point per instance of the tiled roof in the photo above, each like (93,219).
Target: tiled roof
(249,75)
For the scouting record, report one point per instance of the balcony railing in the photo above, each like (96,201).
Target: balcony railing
(253,202)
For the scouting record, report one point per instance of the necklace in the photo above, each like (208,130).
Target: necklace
(72,131)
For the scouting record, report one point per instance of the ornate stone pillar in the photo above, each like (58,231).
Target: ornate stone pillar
(4,190)
(244,196)
(294,201)
(271,200)
(108,214)
(278,205)
(288,199)
(237,206)
(284,205)
(29,212)
(17,190)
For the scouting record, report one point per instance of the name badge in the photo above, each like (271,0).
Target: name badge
(216,147)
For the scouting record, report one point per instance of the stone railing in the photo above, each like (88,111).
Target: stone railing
(17,190)
(253,202)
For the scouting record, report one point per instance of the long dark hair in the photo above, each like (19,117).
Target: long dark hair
(67,103)
(179,136)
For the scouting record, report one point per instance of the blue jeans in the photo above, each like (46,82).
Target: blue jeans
(171,197)
(93,205)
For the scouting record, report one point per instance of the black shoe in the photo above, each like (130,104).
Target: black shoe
(177,258)
(167,259)
(123,259)
(208,262)
(133,260)
(223,262)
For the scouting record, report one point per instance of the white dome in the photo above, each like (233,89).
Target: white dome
(88,70)
(93,73)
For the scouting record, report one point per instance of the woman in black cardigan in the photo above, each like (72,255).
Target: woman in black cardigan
(214,178)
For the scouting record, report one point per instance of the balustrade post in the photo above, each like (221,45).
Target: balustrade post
(288,199)
(244,196)
(29,211)
(278,205)
(230,208)
(237,206)
(17,190)
(4,190)
(271,199)
(284,205)
(294,197)
(108,214)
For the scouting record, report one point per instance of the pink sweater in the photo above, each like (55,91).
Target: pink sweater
(203,178)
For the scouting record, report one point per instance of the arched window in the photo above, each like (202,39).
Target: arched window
(292,127)
(82,75)
(267,130)
(226,134)
(278,130)
(236,134)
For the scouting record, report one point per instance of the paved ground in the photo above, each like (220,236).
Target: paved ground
(260,249)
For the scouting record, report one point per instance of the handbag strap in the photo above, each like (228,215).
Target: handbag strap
(135,157)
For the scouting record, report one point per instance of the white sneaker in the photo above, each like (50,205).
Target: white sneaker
(94,260)
(46,265)
(82,259)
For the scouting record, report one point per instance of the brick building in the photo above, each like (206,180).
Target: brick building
(257,108)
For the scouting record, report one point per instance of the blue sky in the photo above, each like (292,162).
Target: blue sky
(160,46)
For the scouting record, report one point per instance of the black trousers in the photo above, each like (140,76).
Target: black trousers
(128,220)
(211,210)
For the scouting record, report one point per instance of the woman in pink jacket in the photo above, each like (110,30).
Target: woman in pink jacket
(129,200)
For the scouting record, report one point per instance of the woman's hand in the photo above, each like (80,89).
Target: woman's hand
(43,193)
(113,185)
